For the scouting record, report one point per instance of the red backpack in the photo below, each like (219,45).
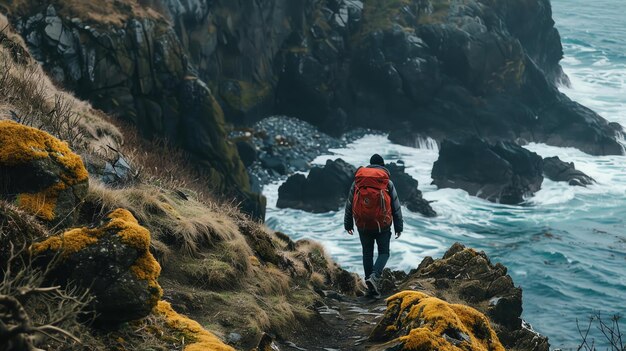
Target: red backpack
(371,205)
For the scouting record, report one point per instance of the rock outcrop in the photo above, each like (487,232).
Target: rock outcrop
(40,174)
(504,172)
(416,321)
(113,261)
(468,276)
(560,171)
(409,194)
(323,190)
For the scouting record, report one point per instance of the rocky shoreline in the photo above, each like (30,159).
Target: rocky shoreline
(279,146)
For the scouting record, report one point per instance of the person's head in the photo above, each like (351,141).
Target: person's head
(376,159)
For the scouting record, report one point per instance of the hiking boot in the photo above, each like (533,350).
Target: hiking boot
(372,285)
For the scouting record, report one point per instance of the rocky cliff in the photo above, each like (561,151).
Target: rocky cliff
(440,68)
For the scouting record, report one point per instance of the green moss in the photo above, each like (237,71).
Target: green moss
(249,95)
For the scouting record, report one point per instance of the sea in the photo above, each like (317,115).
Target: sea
(566,246)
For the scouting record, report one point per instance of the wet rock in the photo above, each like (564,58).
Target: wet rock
(275,164)
(111,259)
(40,174)
(325,189)
(409,195)
(504,172)
(559,171)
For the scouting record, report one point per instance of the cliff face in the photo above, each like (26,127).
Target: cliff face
(128,61)
(440,68)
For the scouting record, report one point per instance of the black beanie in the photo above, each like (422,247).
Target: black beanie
(376,159)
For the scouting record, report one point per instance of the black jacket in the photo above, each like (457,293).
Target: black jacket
(396,209)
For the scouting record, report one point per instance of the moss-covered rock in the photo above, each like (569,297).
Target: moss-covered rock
(40,174)
(113,261)
(419,322)
(198,338)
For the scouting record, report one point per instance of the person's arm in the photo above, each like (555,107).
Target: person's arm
(396,210)
(348,221)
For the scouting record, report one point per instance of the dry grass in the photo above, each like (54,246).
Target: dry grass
(174,218)
(108,12)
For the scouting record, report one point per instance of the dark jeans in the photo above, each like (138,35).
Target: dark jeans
(367,242)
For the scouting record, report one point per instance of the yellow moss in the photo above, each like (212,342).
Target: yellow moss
(200,338)
(254,261)
(43,203)
(69,242)
(20,144)
(147,268)
(429,318)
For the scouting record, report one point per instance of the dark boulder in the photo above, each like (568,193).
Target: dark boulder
(323,190)
(113,261)
(41,175)
(409,195)
(471,277)
(247,152)
(274,163)
(560,171)
(503,172)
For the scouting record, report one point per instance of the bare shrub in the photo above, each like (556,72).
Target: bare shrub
(33,313)
(609,330)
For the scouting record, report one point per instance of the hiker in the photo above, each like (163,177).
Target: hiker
(373,204)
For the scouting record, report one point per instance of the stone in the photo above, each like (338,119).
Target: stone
(409,195)
(113,260)
(40,174)
(504,172)
(275,164)
(323,190)
(417,321)
(471,277)
(560,171)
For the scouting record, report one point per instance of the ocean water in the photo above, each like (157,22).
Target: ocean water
(567,246)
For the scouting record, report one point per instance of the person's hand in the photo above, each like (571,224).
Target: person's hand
(350,231)
(398,235)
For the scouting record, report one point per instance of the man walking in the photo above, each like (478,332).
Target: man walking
(373,204)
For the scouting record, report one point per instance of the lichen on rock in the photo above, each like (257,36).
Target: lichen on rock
(418,321)
(113,260)
(40,173)
(201,339)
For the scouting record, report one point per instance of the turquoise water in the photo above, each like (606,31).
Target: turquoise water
(567,246)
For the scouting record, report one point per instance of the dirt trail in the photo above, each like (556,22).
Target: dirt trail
(344,324)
